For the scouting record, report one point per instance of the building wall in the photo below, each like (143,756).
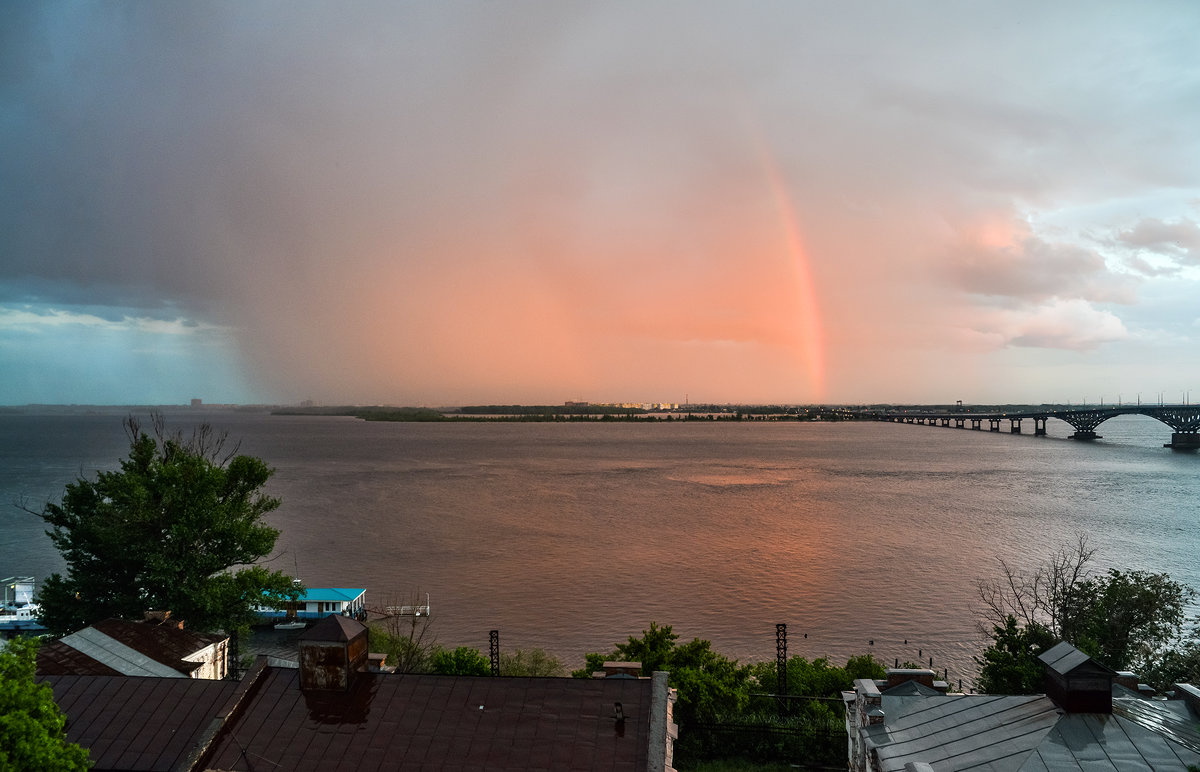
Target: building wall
(214,659)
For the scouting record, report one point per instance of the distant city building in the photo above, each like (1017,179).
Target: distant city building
(197,402)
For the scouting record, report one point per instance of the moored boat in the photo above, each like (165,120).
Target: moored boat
(18,613)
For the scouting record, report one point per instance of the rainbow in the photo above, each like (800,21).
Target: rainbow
(811,337)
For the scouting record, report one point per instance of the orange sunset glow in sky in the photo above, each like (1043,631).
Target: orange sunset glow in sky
(532,202)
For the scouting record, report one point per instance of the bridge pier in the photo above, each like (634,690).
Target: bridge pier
(945,421)
(1039,426)
(975,424)
(1014,425)
(993,424)
(1184,441)
(958,423)
(1082,434)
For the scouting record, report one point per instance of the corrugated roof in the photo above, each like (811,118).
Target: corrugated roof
(138,724)
(443,722)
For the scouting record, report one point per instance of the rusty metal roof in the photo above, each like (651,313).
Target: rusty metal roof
(384,721)
(444,722)
(334,628)
(118,646)
(58,658)
(138,724)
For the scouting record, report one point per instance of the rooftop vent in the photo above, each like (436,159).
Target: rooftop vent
(1076,682)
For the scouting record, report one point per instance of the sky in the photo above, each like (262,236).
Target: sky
(450,203)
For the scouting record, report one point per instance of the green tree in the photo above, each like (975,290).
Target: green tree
(530,662)
(462,661)
(179,527)
(1176,661)
(1119,617)
(1010,664)
(1127,614)
(32,728)
(818,678)
(709,684)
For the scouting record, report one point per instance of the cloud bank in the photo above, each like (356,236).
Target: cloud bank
(472,202)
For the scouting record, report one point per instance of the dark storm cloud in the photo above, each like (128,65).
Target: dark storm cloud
(346,186)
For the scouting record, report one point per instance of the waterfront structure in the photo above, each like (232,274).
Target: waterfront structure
(316,603)
(158,647)
(18,612)
(339,711)
(1090,718)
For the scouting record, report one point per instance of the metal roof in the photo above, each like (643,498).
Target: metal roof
(1098,742)
(138,724)
(1029,734)
(444,722)
(118,646)
(385,721)
(334,628)
(963,732)
(343,594)
(124,659)
(1063,658)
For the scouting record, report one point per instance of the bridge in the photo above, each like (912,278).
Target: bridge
(1184,420)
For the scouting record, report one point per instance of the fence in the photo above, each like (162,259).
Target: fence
(813,747)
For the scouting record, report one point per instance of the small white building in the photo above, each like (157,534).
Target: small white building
(319,602)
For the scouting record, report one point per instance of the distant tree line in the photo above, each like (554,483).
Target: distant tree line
(541,413)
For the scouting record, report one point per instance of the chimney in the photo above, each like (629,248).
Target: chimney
(900,675)
(1189,694)
(1127,679)
(1076,682)
(619,670)
(331,652)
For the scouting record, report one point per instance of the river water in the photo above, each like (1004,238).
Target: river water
(860,536)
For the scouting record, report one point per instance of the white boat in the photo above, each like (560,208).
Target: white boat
(293,625)
(19,613)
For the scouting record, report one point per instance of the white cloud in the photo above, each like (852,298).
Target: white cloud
(1071,324)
